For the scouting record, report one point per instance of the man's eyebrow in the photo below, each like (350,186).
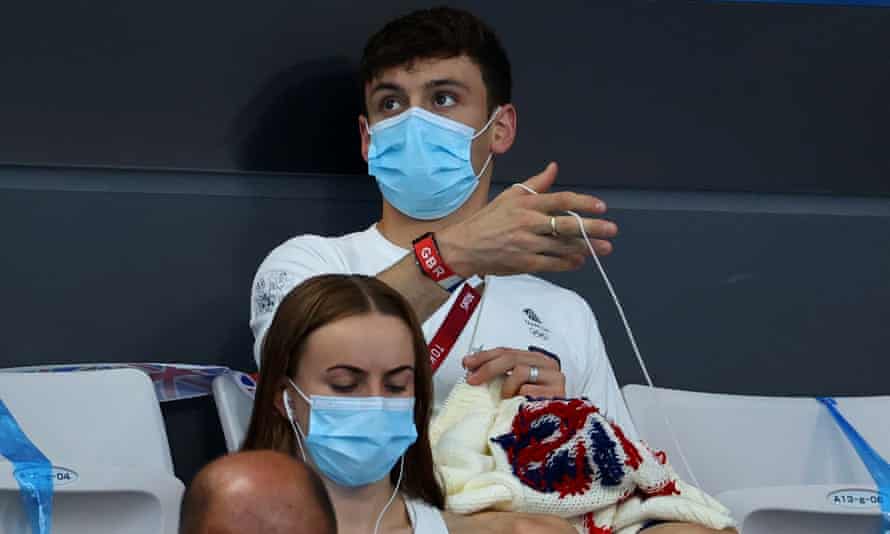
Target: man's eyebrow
(446,82)
(386,86)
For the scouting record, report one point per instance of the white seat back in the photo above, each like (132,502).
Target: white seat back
(753,453)
(234,408)
(106,428)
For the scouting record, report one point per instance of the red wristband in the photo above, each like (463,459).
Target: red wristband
(429,259)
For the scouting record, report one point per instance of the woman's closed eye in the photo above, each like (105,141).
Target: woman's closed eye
(396,388)
(344,388)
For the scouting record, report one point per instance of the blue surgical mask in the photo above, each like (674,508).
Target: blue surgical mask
(355,441)
(422,162)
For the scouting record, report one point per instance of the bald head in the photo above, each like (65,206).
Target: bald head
(257,491)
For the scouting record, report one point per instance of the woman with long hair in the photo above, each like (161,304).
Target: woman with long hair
(345,384)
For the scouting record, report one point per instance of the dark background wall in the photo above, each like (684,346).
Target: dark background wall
(670,94)
(708,127)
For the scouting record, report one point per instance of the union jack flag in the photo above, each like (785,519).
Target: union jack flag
(172,381)
(71,368)
(176,382)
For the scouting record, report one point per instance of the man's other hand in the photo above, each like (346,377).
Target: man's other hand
(487,365)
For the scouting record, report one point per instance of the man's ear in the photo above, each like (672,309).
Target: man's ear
(363,131)
(504,129)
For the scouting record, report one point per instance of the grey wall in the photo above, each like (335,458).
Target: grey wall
(732,292)
(624,93)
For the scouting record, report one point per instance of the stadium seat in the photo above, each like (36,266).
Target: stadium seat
(234,407)
(104,435)
(781,464)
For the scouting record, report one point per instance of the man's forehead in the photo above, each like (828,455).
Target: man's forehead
(420,72)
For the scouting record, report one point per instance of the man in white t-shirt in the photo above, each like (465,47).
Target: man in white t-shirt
(437,90)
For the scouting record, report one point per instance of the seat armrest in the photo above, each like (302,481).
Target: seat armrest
(155,485)
(839,499)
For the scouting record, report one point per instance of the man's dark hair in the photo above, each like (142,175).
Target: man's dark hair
(440,33)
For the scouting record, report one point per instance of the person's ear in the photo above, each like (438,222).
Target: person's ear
(278,401)
(364,132)
(504,129)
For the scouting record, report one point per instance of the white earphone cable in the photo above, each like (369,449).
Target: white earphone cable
(391,497)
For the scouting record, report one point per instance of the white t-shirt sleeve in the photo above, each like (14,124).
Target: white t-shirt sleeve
(600,384)
(283,269)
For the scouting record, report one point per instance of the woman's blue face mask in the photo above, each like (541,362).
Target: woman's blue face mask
(354,441)
(423,164)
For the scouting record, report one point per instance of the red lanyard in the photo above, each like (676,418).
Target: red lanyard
(454,324)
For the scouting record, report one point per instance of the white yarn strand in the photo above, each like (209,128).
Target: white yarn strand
(485,287)
(630,336)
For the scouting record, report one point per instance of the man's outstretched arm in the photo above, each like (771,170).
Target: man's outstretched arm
(513,234)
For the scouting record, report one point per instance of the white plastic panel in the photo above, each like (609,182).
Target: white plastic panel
(736,441)
(235,409)
(100,500)
(104,434)
(780,464)
(95,417)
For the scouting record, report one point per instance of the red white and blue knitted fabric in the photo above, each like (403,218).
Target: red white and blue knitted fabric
(561,457)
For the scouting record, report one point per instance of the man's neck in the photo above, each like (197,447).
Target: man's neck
(401,230)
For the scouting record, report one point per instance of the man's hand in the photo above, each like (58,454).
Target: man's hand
(513,234)
(489,364)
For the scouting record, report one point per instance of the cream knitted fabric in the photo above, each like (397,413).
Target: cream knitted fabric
(560,457)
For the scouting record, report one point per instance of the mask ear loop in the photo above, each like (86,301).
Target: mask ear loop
(630,335)
(494,115)
(298,432)
(487,161)
(391,497)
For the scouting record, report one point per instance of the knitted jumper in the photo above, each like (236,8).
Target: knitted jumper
(560,457)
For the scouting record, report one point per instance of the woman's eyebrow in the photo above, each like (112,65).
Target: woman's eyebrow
(398,370)
(351,369)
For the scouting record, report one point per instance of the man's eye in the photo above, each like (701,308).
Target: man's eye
(444,100)
(390,104)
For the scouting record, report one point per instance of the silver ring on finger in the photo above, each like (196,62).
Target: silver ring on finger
(553,231)
(533,374)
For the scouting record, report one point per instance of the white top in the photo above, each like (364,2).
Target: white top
(425,519)
(516,312)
